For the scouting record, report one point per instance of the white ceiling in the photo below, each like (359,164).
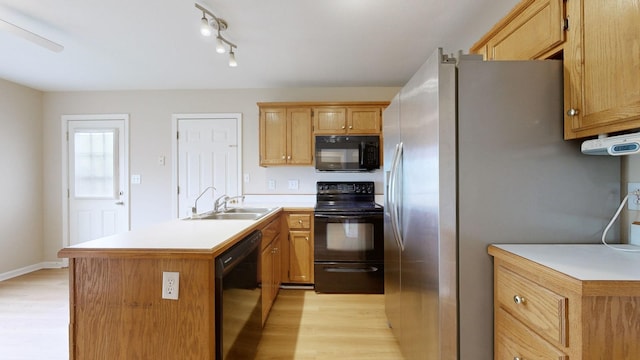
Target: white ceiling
(145,44)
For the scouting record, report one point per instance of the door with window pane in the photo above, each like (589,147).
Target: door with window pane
(97,187)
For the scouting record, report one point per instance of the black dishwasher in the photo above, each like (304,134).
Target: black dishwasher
(238,300)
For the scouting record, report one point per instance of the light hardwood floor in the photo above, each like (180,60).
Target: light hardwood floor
(34,318)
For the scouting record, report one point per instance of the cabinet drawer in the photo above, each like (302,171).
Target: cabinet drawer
(270,232)
(539,308)
(299,221)
(515,341)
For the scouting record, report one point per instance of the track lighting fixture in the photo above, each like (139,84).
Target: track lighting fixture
(214,23)
(232,58)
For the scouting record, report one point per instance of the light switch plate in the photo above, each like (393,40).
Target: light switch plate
(135,179)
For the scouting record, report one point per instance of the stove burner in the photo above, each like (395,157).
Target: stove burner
(355,196)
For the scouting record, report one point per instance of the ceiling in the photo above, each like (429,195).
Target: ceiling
(145,44)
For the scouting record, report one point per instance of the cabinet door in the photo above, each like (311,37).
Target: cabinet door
(534,31)
(277,267)
(364,120)
(273,139)
(329,120)
(300,257)
(602,67)
(299,137)
(266,271)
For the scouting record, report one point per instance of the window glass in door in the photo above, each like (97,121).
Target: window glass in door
(95,161)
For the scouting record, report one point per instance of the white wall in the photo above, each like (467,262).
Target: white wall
(150,128)
(21,213)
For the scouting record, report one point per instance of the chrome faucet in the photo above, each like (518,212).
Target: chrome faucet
(220,202)
(194,208)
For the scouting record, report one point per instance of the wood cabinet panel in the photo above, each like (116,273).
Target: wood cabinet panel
(329,120)
(536,30)
(299,137)
(285,136)
(298,253)
(602,68)
(515,341)
(115,315)
(273,136)
(529,31)
(270,271)
(300,257)
(364,120)
(299,221)
(346,121)
(538,307)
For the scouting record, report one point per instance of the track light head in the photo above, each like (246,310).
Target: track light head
(220,48)
(205,28)
(232,58)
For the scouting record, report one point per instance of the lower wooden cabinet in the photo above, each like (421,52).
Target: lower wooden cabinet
(298,260)
(549,312)
(270,260)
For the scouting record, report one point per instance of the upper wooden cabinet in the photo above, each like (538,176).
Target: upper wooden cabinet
(602,67)
(349,120)
(529,31)
(598,41)
(287,129)
(285,136)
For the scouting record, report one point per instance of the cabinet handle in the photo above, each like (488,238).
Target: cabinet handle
(289,157)
(517,358)
(343,126)
(299,221)
(283,157)
(572,112)
(306,238)
(350,127)
(518,299)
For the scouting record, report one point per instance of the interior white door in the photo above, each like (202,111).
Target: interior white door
(97,179)
(207,156)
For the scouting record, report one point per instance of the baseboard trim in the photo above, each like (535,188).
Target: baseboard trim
(31,268)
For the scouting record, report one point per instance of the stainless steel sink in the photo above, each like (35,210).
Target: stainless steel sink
(234,214)
(247,210)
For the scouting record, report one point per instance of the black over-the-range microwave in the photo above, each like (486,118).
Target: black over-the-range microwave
(347,153)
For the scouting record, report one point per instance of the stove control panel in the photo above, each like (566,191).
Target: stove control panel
(346,188)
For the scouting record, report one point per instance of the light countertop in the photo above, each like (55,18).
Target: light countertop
(585,262)
(178,234)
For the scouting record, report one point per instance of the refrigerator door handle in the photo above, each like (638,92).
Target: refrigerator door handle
(393,194)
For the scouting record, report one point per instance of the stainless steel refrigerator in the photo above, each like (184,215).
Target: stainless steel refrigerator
(474,155)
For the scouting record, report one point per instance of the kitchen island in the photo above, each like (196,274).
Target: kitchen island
(116,305)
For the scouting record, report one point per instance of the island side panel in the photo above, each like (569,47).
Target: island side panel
(117,310)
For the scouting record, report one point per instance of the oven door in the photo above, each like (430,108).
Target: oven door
(356,237)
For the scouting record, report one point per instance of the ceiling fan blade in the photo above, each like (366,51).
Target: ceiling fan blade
(28,35)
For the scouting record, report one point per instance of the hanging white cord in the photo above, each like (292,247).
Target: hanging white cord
(613,219)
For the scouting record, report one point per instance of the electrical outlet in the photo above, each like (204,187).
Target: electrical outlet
(634,200)
(293,184)
(170,285)
(271,184)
